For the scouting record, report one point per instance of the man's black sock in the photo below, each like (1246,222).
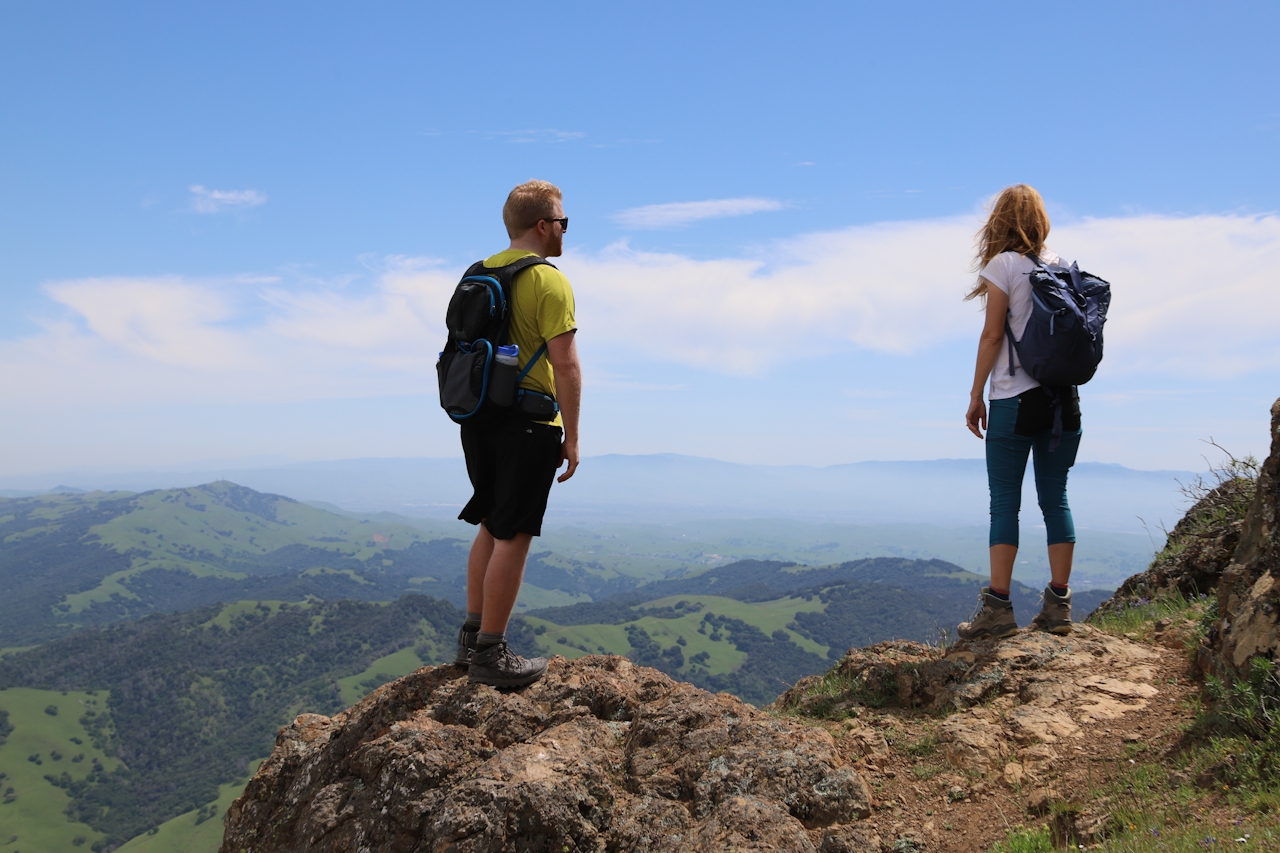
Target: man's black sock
(472,623)
(1003,594)
(1061,590)
(487,641)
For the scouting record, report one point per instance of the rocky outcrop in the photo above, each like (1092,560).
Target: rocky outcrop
(1019,700)
(1024,721)
(1249,592)
(600,754)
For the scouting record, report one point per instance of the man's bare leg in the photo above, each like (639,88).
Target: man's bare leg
(502,581)
(477,565)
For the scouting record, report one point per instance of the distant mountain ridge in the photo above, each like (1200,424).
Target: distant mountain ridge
(673,487)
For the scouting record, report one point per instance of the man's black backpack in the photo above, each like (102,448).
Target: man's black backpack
(1062,342)
(474,386)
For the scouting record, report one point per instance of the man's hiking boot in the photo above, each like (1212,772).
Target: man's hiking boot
(500,667)
(466,647)
(993,619)
(1055,615)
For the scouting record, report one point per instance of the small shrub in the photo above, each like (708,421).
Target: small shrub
(1025,841)
(51,710)
(926,745)
(925,771)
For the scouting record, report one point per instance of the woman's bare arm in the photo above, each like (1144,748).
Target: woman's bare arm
(989,344)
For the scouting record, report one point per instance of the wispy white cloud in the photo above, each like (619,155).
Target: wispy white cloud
(531,136)
(215,201)
(1194,300)
(1192,296)
(680,213)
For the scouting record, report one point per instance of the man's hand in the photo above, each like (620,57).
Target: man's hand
(568,453)
(563,354)
(976,417)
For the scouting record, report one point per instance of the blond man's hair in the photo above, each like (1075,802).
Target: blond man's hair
(1018,223)
(528,204)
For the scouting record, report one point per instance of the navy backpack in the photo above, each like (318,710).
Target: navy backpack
(1062,342)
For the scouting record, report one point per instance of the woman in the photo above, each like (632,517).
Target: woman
(1020,421)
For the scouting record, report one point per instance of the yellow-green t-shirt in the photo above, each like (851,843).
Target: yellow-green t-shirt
(542,309)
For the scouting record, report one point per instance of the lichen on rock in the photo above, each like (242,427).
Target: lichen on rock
(600,754)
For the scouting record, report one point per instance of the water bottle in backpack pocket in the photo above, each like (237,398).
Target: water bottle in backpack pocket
(504,376)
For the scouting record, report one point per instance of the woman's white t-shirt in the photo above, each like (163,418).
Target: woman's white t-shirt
(1008,271)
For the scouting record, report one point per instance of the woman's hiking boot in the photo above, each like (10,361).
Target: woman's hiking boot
(498,666)
(466,646)
(1055,614)
(994,618)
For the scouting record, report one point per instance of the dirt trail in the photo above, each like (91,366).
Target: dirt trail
(1051,718)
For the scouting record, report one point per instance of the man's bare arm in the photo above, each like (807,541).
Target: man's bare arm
(562,351)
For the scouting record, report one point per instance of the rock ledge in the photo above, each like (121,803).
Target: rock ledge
(599,755)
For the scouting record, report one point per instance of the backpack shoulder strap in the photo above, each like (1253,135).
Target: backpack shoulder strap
(507,274)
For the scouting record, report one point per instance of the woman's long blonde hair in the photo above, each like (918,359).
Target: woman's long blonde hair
(1018,223)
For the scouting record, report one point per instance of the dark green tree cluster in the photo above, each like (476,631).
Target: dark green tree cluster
(648,652)
(773,663)
(192,703)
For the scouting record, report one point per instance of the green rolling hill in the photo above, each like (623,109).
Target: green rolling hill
(184,702)
(71,560)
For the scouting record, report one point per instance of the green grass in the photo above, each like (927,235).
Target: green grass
(34,819)
(1139,617)
(535,597)
(235,609)
(1026,841)
(1158,808)
(384,669)
(723,656)
(197,831)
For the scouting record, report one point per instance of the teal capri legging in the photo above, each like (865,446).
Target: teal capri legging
(1007,463)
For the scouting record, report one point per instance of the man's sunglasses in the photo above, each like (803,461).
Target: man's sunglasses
(564,223)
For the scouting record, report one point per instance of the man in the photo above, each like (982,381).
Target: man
(511,463)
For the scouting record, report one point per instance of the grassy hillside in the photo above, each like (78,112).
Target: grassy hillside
(46,736)
(195,697)
(72,560)
(653,551)
(198,831)
(755,627)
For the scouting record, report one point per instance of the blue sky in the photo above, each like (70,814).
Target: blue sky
(226,231)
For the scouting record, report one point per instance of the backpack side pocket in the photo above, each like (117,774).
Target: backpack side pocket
(464,380)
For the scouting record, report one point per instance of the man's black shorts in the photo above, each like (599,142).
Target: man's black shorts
(511,465)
